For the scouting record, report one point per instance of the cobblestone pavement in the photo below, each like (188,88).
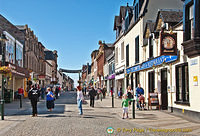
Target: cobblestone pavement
(65,121)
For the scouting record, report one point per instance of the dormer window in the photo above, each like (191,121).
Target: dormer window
(136,11)
(126,21)
(137,7)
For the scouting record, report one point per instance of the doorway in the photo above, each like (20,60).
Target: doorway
(164,93)
(151,81)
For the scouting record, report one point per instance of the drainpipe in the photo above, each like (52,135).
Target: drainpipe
(171,86)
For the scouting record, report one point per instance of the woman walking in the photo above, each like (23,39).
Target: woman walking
(80,99)
(50,99)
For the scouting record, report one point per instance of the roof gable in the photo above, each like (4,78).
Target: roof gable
(170,16)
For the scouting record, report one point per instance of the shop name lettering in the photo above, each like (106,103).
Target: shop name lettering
(146,65)
(140,130)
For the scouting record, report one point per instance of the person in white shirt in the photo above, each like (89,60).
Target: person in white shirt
(80,99)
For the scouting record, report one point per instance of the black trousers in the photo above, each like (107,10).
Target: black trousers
(92,101)
(34,107)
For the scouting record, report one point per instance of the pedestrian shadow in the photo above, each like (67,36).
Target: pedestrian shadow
(96,116)
(53,116)
(147,116)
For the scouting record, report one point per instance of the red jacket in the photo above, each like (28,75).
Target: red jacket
(20,91)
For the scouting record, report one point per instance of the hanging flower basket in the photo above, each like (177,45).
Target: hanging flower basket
(5,70)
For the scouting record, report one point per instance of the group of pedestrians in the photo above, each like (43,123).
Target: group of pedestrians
(34,94)
(128,98)
(92,93)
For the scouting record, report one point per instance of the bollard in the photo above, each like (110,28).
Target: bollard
(133,109)
(2,109)
(20,103)
(112,101)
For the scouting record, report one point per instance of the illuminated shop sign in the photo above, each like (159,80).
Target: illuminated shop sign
(151,63)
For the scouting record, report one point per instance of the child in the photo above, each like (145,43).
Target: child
(125,105)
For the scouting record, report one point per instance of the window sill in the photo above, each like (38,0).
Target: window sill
(182,103)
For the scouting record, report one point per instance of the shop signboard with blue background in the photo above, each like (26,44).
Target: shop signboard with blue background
(154,62)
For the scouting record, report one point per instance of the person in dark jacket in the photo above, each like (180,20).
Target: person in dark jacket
(34,95)
(56,92)
(92,94)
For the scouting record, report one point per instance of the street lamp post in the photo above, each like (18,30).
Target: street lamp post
(2,39)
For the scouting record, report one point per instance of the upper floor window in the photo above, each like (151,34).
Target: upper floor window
(189,21)
(151,47)
(137,55)
(116,55)
(127,56)
(122,51)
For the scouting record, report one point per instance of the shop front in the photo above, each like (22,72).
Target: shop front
(156,73)
(14,80)
(119,81)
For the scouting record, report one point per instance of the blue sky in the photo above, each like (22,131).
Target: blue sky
(72,27)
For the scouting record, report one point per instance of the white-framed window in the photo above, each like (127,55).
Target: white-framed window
(122,51)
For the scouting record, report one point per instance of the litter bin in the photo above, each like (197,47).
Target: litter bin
(8,96)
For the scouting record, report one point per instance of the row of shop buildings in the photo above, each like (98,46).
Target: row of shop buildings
(157,45)
(27,60)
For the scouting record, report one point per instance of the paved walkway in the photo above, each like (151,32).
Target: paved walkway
(152,119)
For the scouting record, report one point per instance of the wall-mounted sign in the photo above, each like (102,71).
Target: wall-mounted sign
(193,62)
(195,80)
(168,44)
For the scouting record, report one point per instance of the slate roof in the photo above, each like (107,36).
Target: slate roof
(123,10)
(109,45)
(6,25)
(149,24)
(49,55)
(171,15)
(116,22)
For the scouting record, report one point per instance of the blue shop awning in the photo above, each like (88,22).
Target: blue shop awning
(154,62)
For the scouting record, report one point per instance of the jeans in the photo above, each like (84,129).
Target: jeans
(91,101)
(79,102)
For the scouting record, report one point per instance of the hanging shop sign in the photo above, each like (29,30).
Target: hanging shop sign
(168,44)
(154,62)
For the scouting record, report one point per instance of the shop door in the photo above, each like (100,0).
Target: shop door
(151,81)
(164,94)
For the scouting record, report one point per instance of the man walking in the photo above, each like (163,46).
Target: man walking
(34,95)
(20,94)
(92,94)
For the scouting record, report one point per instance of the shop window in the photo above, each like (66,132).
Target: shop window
(137,78)
(182,83)
(132,82)
(137,55)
